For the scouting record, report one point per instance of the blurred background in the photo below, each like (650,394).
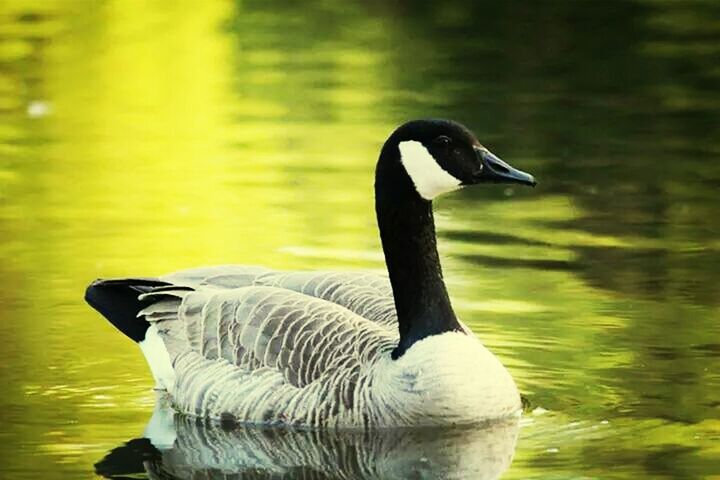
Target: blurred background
(140,137)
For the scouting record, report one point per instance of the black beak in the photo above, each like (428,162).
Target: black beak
(495,170)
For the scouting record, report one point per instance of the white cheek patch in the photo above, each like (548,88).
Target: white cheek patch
(429,178)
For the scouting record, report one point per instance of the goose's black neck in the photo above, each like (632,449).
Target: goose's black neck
(407,232)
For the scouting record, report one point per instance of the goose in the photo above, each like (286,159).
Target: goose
(326,349)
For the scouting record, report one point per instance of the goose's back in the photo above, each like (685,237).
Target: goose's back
(255,353)
(365,293)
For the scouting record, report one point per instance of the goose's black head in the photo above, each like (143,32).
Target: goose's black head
(439,156)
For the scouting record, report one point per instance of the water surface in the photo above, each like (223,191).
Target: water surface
(140,139)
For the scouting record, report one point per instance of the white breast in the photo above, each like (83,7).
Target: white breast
(446,379)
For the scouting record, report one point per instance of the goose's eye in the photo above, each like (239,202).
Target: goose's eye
(443,141)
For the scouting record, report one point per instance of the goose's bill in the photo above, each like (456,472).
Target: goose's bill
(495,170)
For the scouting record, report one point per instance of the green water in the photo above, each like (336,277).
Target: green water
(137,139)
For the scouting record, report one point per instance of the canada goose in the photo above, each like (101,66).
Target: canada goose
(331,349)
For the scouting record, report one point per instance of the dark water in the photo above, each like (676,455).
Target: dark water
(140,139)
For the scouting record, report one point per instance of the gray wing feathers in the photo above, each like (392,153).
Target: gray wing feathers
(297,335)
(300,336)
(364,293)
(273,346)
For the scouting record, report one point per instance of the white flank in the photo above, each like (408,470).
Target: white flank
(158,359)
(429,178)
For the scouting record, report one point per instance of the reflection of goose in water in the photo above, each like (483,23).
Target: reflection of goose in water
(332,349)
(201,450)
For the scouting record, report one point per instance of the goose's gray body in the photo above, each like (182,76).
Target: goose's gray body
(331,349)
(312,349)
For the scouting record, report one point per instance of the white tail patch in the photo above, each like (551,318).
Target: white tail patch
(158,359)
(427,175)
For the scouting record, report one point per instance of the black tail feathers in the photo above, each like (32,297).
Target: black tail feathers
(117,300)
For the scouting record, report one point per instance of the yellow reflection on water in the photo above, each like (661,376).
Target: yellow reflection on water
(142,137)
